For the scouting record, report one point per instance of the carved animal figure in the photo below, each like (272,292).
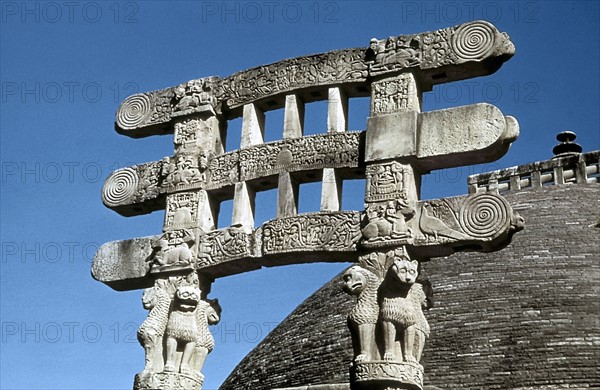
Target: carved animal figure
(182,329)
(401,312)
(436,227)
(208,312)
(150,333)
(167,254)
(362,319)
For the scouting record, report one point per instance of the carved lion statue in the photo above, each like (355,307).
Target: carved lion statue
(362,319)
(182,329)
(150,334)
(401,300)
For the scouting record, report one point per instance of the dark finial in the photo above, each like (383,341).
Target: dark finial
(566,147)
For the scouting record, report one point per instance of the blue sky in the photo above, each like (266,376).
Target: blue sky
(66,66)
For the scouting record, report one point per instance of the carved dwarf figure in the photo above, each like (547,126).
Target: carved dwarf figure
(362,319)
(401,302)
(150,334)
(182,329)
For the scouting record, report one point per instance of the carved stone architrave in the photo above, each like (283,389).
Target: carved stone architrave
(224,245)
(319,232)
(473,44)
(334,150)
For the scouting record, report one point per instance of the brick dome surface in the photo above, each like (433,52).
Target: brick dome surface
(525,317)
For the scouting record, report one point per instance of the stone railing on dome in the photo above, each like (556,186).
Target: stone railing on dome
(580,169)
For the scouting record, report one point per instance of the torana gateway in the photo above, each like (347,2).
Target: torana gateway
(388,240)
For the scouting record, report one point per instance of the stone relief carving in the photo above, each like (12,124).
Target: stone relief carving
(195,96)
(223,170)
(392,95)
(208,312)
(175,336)
(120,187)
(149,175)
(184,171)
(182,210)
(394,53)
(224,245)
(189,132)
(369,372)
(477,217)
(173,248)
(385,182)
(157,300)
(306,232)
(387,323)
(386,223)
(182,329)
(321,69)
(312,152)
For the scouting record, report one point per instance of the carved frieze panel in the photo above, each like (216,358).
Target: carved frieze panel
(182,210)
(480,217)
(385,182)
(395,94)
(472,41)
(388,224)
(196,96)
(311,152)
(336,231)
(184,172)
(387,372)
(223,170)
(189,133)
(335,67)
(173,250)
(225,245)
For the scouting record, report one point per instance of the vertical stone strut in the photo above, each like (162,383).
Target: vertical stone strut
(253,129)
(337,122)
(395,232)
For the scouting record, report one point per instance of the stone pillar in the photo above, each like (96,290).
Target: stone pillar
(386,268)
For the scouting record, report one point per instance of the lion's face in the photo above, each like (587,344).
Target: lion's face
(355,281)
(149,298)
(188,297)
(405,271)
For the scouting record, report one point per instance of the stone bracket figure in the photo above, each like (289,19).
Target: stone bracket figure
(175,336)
(387,323)
(362,320)
(401,303)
